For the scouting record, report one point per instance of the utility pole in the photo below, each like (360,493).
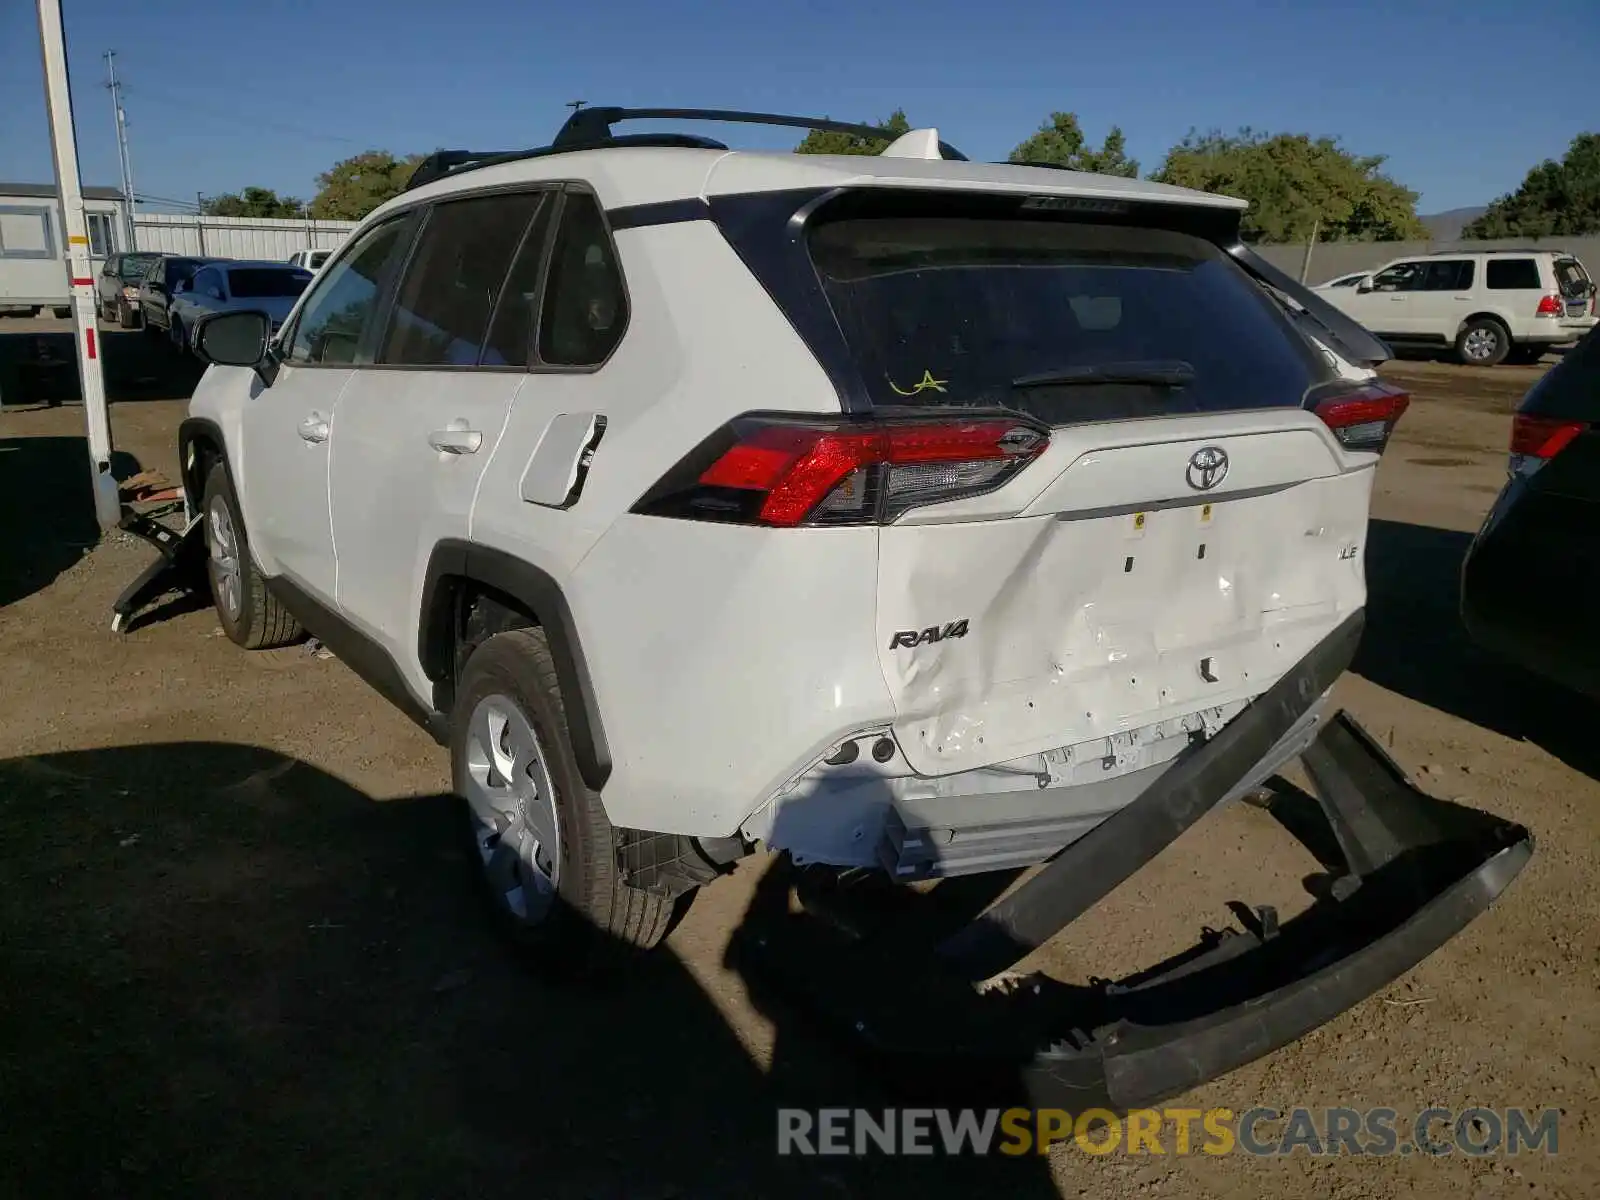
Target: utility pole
(1305,263)
(130,238)
(64,146)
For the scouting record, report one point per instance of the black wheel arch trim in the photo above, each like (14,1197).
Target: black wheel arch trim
(193,429)
(454,560)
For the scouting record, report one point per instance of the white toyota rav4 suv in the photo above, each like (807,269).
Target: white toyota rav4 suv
(1488,306)
(909,516)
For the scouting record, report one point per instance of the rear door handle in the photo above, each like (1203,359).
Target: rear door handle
(455,438)
(314,428)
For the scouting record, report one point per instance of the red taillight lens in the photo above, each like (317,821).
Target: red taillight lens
(1542,437)
(1364,418)
(1550,306)
(786,472)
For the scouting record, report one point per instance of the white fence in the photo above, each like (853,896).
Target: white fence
(237,237)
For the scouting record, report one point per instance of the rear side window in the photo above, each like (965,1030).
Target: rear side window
(335,315)
(448,294)
(1513,275)
(1068,321)
(266,283)
(586,305)
(1450,275)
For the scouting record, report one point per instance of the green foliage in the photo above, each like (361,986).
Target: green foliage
(1556,199)
(1060,142)
(1292,181)
(252,202)
(822,142)
(354,186)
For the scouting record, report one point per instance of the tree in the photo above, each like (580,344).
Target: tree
(820,141)
(354,186)
(1060,142)
(252,202)
(1557,199)
(1295,183)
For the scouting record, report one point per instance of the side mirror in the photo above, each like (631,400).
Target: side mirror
(233,339)
(1364,286)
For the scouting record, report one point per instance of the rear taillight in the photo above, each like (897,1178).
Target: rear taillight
(1363,419)
(787,471)
(1536,440)
(1550,306)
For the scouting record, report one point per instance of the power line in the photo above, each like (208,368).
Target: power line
(207,109)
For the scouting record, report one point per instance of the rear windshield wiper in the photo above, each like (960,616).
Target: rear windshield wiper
(1170,373)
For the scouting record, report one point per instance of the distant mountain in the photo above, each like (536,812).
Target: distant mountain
(1447,226)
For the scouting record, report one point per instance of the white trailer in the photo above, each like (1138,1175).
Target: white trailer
(33,243)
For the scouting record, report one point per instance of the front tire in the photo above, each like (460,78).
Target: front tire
(1483,343)
(547,852)
(250,614)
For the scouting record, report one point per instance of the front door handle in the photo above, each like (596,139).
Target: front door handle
(314,428)
(456,438)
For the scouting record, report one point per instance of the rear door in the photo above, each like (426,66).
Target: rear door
(417,427)
(1189,532)
(1442,299)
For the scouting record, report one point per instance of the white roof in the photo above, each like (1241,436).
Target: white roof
(627,175)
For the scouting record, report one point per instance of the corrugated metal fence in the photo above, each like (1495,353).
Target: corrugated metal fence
(237,237)
(1329,260)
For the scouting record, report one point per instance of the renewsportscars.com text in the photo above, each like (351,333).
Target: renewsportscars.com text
(1178,1131)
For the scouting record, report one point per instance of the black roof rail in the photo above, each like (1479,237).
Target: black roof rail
(1468,248)
(590,129)
(451,162)
(591,125)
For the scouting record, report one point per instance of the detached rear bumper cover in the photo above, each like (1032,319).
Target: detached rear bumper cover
(1406,872)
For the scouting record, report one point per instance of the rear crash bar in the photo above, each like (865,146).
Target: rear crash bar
(1404,873)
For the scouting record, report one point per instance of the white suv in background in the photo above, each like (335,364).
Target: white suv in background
(910,516)
(311,260)
(1489,306)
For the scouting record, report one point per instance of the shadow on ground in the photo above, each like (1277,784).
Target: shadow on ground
(49,509)
(42,367)
(228,973)
(1416,645)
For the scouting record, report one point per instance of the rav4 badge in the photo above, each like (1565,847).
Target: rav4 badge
(933,633)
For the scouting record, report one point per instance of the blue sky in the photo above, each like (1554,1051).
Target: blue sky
(1462,95)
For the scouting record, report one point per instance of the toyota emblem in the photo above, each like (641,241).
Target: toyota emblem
(1208,466)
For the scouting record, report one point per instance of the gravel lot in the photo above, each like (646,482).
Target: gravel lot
(242,952)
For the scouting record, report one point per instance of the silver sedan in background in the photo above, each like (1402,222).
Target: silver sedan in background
(270,287)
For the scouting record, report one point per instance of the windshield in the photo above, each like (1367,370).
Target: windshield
(134,266)
(264,282)
(970,311)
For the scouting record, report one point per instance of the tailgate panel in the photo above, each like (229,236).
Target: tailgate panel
(1081,623)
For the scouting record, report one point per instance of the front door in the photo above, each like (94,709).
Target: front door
(417,428)
(289,426)
(1384,303)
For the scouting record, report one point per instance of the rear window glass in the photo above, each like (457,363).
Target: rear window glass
(262,282)
(1513,274)
(966,311)
(1571,278)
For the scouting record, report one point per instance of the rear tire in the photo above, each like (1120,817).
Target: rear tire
(1483,343)
(249,613)
(511,758)
(61,314)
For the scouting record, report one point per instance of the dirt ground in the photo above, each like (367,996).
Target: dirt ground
(241,952)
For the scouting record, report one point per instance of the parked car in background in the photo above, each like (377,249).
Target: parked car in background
(1530,585)
(1489,306)
(155,289)
(1343,281)
(116,291)
(311,260)
(269,287)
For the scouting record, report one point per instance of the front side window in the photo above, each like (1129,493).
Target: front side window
(586,304)
(454,280)
(1513,275)
(1402,277)
(338,311)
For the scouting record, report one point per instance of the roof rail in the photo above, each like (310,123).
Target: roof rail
(590,129)
(591,125)
(1467,248)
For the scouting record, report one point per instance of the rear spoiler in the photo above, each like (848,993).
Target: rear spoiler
(1344,336)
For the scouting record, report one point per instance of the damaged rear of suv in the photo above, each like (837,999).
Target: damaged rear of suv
(909,517)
